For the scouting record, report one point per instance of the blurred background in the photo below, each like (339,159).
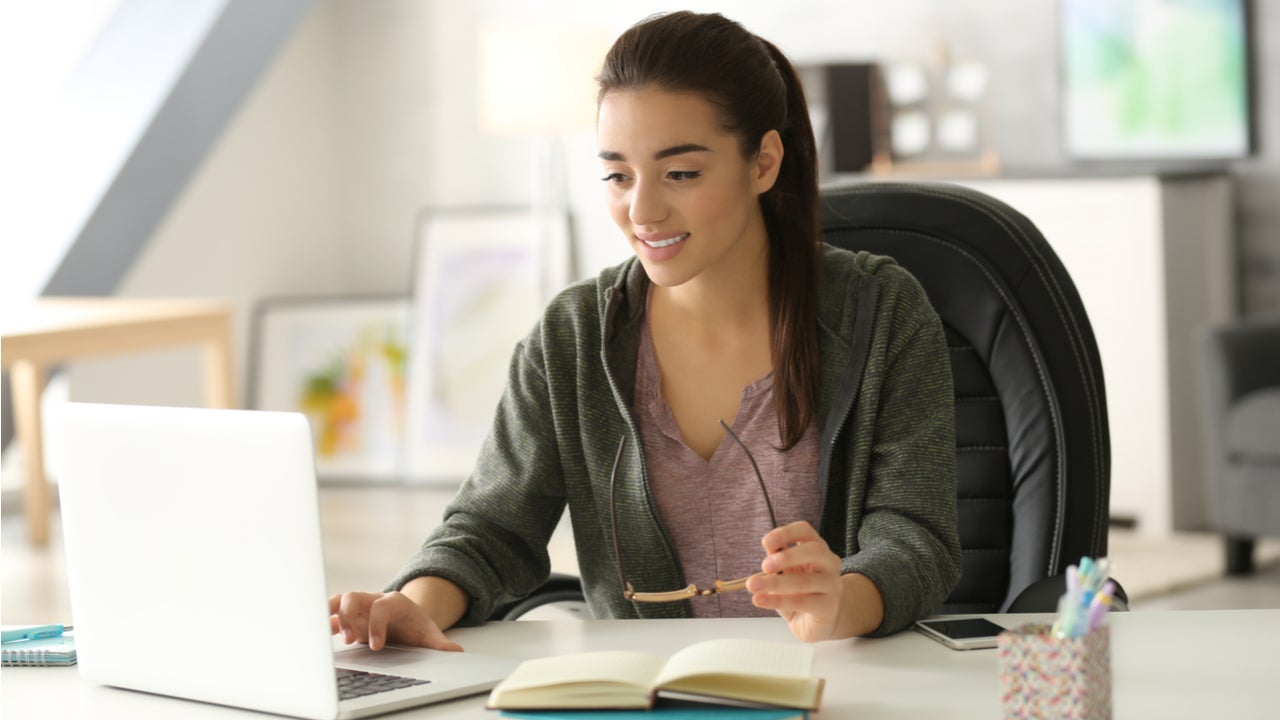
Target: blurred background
(361,184)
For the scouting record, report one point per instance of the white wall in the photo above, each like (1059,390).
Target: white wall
(261,217)
(370,115)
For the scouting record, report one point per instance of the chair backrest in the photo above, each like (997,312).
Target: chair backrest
(1032,444)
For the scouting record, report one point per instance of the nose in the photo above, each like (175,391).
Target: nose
(648,207)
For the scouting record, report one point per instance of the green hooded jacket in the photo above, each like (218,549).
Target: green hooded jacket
(887,465)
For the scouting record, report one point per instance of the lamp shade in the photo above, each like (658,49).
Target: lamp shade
(539,79)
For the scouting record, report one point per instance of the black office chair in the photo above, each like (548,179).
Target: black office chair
(1033,451)
(1032,444)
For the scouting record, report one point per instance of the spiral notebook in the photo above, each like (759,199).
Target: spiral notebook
(51,652)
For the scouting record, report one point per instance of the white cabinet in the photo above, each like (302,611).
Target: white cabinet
(1154,261)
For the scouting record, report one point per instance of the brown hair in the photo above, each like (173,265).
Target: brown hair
(756,90)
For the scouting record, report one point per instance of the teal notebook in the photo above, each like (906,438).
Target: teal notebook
(664,710)
(59,651)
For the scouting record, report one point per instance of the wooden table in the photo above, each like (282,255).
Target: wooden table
(54,330)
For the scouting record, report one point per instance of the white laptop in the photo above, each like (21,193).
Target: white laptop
(196,570)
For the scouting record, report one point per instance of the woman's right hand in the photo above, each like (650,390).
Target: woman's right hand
(379,618)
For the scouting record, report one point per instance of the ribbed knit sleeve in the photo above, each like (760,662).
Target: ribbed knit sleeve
(908,543)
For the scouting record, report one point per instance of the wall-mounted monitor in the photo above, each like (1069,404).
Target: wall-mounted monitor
(1156,79)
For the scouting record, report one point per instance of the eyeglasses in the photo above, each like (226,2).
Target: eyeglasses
(720,586)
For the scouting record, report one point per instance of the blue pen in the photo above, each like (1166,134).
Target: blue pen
(1086,568)
(35,632)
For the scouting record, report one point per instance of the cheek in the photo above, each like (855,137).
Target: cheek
(723,202)
(618,209)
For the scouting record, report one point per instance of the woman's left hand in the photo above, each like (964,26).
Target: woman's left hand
(802,581)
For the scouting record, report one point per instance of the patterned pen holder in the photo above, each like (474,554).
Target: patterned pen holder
(1042,676)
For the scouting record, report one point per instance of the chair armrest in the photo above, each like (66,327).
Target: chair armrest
(1243,357)
(559,587)
(1042,596)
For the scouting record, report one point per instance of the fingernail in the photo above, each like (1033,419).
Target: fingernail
(754,584)
(375,641)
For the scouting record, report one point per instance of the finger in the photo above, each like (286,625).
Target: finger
(381,613)
(438,641)
(397,618)
(795,583)
(805,557)
(778,539)
(789,604)
(353,617)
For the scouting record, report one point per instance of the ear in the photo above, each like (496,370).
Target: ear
(768,162)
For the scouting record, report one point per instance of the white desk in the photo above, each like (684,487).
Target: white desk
(1201,664)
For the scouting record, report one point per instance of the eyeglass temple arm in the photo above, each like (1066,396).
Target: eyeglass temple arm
(773,520)
(613,519)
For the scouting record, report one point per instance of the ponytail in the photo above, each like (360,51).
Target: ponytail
(795,252)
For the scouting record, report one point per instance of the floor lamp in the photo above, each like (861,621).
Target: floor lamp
(538,82)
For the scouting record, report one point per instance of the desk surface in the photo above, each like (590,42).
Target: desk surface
(1193,664)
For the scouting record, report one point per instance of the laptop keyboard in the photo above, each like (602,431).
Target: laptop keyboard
(358,683)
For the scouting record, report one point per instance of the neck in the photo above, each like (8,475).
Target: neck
(727,299)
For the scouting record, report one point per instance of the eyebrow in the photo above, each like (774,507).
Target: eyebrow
(660,155)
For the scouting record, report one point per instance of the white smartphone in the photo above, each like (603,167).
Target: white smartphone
(962,633)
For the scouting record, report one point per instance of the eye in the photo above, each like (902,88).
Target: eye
(615,178)
(684,175)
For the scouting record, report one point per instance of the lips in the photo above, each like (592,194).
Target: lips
(660,247)
(659,241)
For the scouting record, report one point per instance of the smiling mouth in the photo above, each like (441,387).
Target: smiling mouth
(668,242)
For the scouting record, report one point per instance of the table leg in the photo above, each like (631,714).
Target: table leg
(218,386)
(26,379)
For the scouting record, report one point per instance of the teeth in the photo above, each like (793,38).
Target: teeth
(666,243)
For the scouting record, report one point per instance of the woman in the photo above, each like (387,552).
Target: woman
(829,367)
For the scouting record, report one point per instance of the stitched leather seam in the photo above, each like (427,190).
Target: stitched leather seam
(1022,240)
(1074,338)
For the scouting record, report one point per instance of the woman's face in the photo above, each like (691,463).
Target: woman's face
(677,184)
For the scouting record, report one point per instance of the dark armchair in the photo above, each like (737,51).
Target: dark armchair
(1242,435)
(1032,443)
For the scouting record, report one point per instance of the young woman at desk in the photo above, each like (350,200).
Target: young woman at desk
(830,368)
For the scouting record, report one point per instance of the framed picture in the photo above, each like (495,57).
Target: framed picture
(341,361)
(1165,80)
(481,277)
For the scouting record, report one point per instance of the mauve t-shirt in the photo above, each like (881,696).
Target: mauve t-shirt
(713,511)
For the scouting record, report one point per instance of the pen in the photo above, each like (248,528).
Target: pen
(35,632)
(1101,571)
(1100,605)
(1086,569)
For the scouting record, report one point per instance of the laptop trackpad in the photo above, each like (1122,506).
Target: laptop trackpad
(438,666)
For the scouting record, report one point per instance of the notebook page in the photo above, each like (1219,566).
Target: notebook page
(740,657)
(626,668)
